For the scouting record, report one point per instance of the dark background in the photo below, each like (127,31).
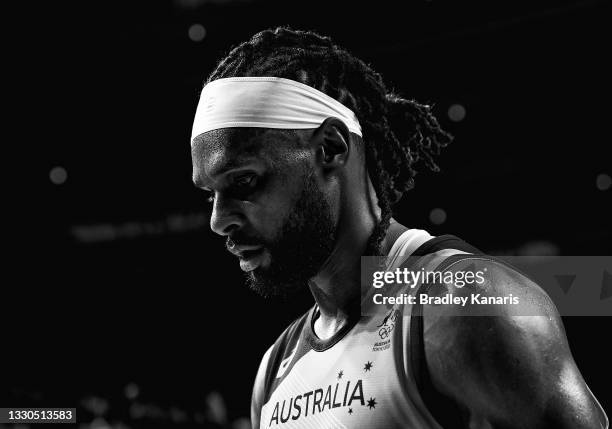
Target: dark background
(123,296)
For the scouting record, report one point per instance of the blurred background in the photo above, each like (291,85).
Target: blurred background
(119,300)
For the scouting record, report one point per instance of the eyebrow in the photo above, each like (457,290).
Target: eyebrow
(224,167)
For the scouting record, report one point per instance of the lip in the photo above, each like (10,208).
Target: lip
(251,259)
(241,250)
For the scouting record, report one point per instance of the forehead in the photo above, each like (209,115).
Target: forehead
(227,148)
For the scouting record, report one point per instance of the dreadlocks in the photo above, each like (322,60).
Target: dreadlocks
(397,133)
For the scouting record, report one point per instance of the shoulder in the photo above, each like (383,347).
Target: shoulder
(469,332)
(528,325)
(477,335)
(514,361)
(485,278)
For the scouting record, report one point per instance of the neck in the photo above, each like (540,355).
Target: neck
(337,287)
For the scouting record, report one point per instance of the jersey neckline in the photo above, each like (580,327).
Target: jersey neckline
(409,241)
(319,344)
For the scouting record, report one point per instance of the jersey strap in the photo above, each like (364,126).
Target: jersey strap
(287,350)
(444,251)
(442,242)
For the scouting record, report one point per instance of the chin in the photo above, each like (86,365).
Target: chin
(263,282)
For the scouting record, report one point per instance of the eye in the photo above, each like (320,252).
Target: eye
(244,186)
(244,181)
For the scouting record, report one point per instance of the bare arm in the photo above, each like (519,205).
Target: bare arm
(508,371)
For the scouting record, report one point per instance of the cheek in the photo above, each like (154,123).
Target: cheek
(267,219)
(268,213)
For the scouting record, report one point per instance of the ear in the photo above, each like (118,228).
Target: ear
(331,140)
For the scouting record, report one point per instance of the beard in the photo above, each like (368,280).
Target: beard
(305,242)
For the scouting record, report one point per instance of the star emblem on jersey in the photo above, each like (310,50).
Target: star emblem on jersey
(350,411)
(340,374)
(368,366)
(371,403)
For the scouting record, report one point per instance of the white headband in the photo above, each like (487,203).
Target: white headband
(266,102)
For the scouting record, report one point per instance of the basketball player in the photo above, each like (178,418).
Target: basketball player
(304,152)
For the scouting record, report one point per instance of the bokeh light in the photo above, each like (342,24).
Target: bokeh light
(197,32)
(131,391)
(58,175)
(603,182)
(456,112)
(437,216)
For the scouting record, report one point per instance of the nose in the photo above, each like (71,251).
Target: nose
(226,216)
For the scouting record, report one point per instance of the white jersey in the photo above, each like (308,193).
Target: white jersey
(364,376)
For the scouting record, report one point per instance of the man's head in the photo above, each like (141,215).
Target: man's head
(288,193)
(270,203)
